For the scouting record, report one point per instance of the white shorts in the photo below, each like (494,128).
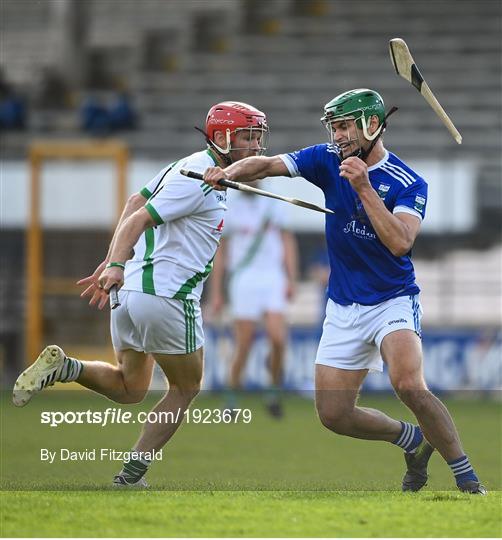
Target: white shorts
(251,295)
(352,335)
(154,324)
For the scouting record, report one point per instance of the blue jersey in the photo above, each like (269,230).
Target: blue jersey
(363,270)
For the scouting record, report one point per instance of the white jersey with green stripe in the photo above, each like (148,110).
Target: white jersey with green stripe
(174,258)
(253,228)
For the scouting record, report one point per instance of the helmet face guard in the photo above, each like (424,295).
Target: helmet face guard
(358,106)
(349,125)
(253,132)
(233,118)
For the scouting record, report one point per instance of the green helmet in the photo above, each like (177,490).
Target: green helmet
(359,104)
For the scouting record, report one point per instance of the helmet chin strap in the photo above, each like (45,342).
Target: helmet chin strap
(363,154)
(225,156)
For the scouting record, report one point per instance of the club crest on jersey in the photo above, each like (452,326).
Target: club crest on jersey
(382,190)
(419,203)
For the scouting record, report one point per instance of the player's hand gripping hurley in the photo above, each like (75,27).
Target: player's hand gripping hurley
(406,67)
(114,297)
(243,187)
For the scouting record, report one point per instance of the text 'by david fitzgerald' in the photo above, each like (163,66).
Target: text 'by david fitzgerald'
(95,454)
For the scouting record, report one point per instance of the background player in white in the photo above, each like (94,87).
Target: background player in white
(258,255)
(174,226)
(373,310)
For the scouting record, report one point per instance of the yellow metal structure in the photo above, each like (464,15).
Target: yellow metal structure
(37,285)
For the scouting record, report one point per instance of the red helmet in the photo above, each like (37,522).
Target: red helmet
(233,116)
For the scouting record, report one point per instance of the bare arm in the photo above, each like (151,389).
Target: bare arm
(247,170)
(290,260)
(396,231)
(134,203)
(126,237)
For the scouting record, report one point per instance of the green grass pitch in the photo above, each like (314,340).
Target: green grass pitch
(267,478)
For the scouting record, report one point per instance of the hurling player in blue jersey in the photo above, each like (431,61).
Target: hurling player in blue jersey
(373,311)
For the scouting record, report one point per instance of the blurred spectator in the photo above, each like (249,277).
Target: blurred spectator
(95,118)
(122,113)
(98,119)
(12,107)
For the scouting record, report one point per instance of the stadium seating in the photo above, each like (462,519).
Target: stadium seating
(177,58)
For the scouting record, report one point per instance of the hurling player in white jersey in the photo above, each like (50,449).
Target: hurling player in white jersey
(373,311)
(258,255)
(160,254)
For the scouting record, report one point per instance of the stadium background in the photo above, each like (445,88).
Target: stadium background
(62,58)
(172,60)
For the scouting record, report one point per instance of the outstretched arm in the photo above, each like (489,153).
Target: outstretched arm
(247,170)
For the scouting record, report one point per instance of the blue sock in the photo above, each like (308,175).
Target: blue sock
(410,437)
(462,469)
